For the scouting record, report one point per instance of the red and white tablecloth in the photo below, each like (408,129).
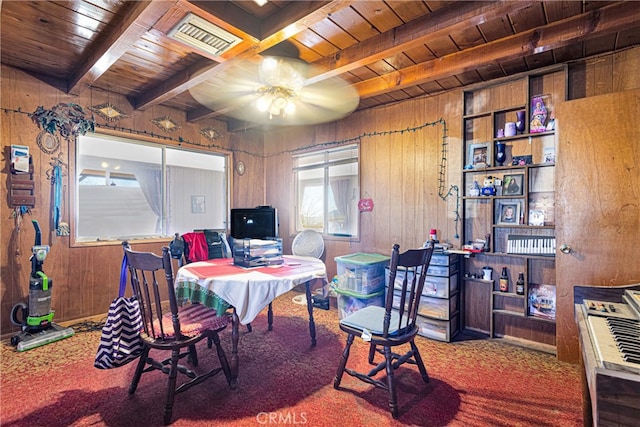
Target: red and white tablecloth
(218,283)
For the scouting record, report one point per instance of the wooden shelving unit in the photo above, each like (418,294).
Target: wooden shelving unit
(508,214)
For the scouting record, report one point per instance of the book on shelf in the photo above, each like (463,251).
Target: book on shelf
(542,301)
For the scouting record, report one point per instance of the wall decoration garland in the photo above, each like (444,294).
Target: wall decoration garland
(66,118)
(442,178)
(163,123)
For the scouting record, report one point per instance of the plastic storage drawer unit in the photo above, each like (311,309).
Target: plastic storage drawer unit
(437,308)
(441,330)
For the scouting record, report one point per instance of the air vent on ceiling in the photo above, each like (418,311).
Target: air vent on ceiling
(203,35)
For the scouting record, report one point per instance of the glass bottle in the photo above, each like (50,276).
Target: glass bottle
(520,284)
(504,280)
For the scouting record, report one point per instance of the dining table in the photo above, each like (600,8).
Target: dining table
(222,285)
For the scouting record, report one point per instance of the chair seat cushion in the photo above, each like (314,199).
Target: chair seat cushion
(371,318)
(194,318)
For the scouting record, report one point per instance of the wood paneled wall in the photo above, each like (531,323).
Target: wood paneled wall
(399,171)
(85,278)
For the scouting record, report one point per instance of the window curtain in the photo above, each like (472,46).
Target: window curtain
(340,189)
(150,180)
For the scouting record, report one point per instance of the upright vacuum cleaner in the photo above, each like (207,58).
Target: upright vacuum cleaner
(35,319)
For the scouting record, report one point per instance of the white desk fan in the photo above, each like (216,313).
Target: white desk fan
(307,243)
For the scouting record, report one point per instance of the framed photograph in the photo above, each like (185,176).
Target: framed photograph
(480,155)
(542,301)
(536,217)
(543,202)
(198,204)
(508,212)
(551,122)
(521,160)
(549,155)
(512,185)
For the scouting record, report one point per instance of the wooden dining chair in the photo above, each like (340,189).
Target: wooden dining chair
(389,328)
(173,329)
(179,248)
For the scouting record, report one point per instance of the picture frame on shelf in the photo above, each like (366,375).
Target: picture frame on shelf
(542,301)
(508,212)
(540,113)
(549,155)
(480,155)
(512,185)
(544,202)
(536,217)
(551,122)
(522,160)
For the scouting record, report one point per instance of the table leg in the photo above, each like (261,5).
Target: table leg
(312,324)
(235,336)
(270,317)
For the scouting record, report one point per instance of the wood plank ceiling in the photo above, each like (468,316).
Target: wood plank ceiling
(389,50)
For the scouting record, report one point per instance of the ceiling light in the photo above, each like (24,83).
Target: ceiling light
(281,81)
(261,2)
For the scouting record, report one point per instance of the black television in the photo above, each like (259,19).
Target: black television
(254,223)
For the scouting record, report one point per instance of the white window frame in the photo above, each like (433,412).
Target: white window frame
(220,159)
(321,162)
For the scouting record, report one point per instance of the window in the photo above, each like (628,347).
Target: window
(327,191)
(128,189)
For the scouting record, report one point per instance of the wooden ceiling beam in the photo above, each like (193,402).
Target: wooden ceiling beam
(606,20)
(135,19)
(299,22)
(437,24)
(173,86)
(298,16)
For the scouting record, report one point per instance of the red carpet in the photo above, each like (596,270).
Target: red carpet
(285,382)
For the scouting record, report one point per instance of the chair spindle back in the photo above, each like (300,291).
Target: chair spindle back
(146,270)
(412,266)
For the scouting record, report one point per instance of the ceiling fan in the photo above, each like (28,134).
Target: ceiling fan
(273,90)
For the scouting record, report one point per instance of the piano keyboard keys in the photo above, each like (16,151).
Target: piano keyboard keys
(626,334)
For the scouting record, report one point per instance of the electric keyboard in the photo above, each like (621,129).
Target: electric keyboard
(609,331)
(615,331)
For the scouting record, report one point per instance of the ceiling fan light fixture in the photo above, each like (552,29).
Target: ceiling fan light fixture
(280,72)
(290,108)
(280,102)
(282,80)
(273,110)
(276,100)
(264,102)
(277,92)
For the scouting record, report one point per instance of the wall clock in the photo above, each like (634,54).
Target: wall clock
(240,168)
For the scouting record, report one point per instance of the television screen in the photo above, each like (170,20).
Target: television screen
(254,223)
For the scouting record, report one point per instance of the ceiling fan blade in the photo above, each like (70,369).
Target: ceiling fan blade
(236,92)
